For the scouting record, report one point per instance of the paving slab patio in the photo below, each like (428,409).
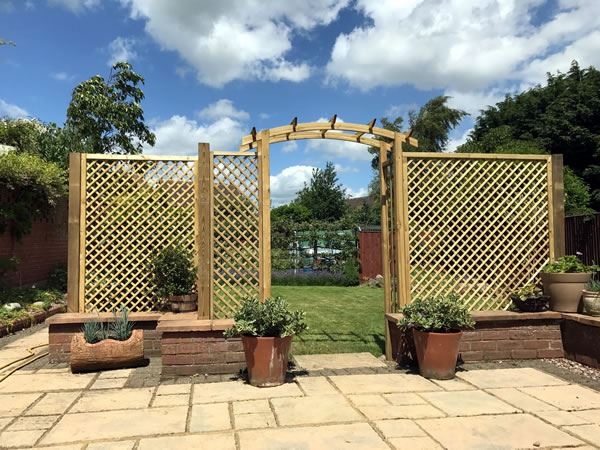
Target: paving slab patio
(338,361)
(501,408)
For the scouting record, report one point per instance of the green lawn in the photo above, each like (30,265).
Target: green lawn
(340,319)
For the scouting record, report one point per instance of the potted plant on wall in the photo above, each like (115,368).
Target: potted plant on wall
(267,329)
(530,298)
(103,346)
(436,324)
(564,281)
(591,298)
(174,277)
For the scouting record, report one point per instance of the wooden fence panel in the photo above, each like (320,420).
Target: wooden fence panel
(132,208)
(236,244)
(582,235)
(477,227)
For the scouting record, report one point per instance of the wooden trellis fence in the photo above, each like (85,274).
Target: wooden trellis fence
(124,209)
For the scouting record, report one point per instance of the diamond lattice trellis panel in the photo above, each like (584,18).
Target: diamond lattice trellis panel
(477,227)
(235,231)
(133,208)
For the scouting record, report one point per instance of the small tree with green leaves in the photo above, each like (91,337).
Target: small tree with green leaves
(108,113)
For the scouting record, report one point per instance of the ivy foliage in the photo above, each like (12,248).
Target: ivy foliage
(30,188)
(109,112)
(271,318)
(436,314)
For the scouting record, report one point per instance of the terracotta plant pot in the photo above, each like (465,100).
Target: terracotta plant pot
(437,353)
(565,290)
(107,354)
(267,359)
(183,303)
(591,303)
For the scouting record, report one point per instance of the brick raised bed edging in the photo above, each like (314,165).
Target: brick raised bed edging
(198,347)
(33,319)
(502,335)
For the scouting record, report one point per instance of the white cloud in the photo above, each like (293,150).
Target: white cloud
(455,141)
(75,6)
(463,47)
(360,192)
(121,49)
(235,39)
(329,148)
(61,76)
(10,110)
(180,135)
(402,109)
(264,115)
(222,108)
(474,101)
(286,184)
(345,169)
(289,147)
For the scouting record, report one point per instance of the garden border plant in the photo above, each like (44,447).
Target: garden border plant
(174,277)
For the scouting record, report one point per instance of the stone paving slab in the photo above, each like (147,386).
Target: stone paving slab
(238,390)
(358,436)
(382,383)
(568,398)
(221,441)
(117,424)
(113,399)
(15,404)
(314,410)
(338,361)
(210,417)
(590,433)
(120,445)
(521,400)
(510,431)
(503,378)
(53,403)
(470,403)
(44,382)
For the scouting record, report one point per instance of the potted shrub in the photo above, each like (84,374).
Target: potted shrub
(267,329)
(107,346)
(564,281)
(591,298)
(436,324)
(530,298)
(175,278)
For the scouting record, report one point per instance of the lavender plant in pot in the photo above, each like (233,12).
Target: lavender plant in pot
(174,277)
(436,324)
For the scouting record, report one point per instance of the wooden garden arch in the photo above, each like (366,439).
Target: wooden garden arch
(394,229)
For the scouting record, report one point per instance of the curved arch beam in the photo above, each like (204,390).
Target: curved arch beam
(319,130)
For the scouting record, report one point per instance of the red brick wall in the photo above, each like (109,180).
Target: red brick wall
(38,252)
(200,352)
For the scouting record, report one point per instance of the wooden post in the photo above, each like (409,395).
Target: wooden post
(400,225)
(264,215)
(204,232)
(556,198)
(73,232)
(385,246)
(82,224)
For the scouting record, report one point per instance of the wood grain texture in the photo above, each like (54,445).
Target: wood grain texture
(73,232)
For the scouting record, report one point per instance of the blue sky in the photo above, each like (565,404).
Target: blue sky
(215,69)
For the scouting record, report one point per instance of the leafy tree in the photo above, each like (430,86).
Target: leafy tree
(292,212)
(108,113)
(562,116)
(324,196)
(432,124)
(31,188)
(48,141)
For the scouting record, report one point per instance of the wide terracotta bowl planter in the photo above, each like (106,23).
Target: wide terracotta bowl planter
(107,354)
(591,303)
(267,359)
(437,353)
(183,303)
(565,290)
